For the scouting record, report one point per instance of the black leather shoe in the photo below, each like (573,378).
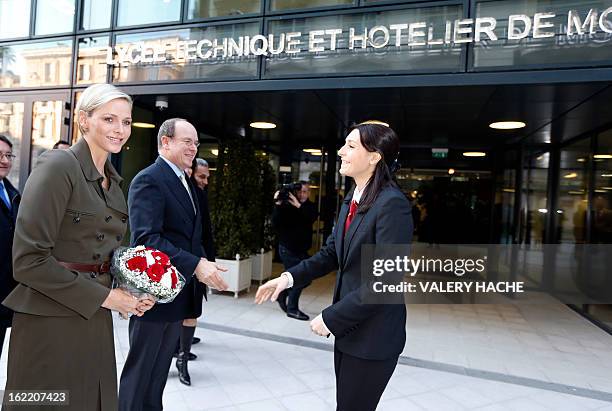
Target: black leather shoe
(195,340)
(190,356)
(298,315)
(282,300)
(181,366)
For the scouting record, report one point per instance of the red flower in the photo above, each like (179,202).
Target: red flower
(155,272)
(161,258)
(137,263)
(174,278)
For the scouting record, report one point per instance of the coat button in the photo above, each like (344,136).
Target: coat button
(123,219)
(108,218)
(96,256)
(119,238)
(100,237)
(76,220)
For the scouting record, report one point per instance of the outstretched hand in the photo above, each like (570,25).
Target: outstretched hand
(271,289)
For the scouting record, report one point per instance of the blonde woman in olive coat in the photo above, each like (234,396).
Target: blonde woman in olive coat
(73,215)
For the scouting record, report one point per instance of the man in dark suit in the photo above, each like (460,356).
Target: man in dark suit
(164,214)
(9,204)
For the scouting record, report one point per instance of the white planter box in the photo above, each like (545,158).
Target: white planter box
(262,266)
(238,274)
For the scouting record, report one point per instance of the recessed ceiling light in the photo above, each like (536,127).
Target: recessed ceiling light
(262,125)
(602,156)
(143,125)
(507,125)
(451,171)
(474,154)
(581,160)
(214,152)
(570,175)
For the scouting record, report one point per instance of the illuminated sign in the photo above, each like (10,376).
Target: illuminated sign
(417,34)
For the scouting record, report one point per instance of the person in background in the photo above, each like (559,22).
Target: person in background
(293,218)
(71,217)
(9,205)
(61,145)
(199,173)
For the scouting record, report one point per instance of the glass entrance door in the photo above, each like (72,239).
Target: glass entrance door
(33,123)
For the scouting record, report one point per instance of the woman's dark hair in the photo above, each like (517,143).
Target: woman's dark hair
(381,139)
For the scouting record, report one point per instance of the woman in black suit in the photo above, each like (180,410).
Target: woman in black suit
(369,336)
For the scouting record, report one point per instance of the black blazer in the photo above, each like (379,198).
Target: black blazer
(162,217)
(7,231)
(368,331)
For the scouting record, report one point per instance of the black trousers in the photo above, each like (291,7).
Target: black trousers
(147,365)
(360,383)
(291,259)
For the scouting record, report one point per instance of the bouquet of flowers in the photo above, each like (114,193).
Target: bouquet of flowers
(142,270)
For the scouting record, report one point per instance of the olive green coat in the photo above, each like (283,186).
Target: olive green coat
(61,337)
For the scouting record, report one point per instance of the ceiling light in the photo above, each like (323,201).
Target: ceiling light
(451,171)
(318,153)
(143,125)
(602,156)
(508,190)
(575,192)
(214,152)
(570,175)
(559,211)
(542,210)
(474,154)
(507,125)
(606,175)
(581,160)
(262,125)
(311,150)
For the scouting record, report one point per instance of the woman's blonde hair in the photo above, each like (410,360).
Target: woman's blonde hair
(97,95)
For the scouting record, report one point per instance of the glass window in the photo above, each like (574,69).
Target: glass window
(560,48)
(14,18)
(381,53)
(573,186)
(133,13)
(47,120)
(213,8)
(169,56)
(96,14)
(601,223)
(36,64)
(305,4)
(91,60)
(11,125)
(54,16)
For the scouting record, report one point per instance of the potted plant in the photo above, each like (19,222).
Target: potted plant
(235,211)
(262,260)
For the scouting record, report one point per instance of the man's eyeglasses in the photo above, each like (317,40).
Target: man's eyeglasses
(8,156)
(190,143)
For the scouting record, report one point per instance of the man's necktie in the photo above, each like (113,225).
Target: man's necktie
(4,196)
(350,216)
(184,181)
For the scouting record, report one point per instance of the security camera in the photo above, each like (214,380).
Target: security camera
(161,102)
